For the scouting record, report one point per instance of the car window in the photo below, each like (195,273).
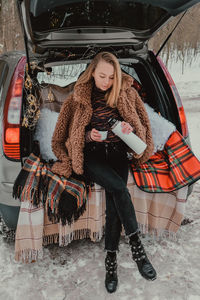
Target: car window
(65,74)
(62,75)
(3,75)
(130,70)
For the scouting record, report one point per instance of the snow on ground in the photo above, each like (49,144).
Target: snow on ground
(192,111)
(187,76)
(187,80)
(76,272)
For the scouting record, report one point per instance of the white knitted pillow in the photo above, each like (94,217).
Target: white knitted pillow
(44,132)
(161,128)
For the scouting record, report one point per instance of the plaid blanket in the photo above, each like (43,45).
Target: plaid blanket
(64,199)
(168,170)
(29,233)
(160,216)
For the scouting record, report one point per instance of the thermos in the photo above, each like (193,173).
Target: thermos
(131,139)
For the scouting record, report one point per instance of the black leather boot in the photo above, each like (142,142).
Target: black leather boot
(111,279)
(139,256)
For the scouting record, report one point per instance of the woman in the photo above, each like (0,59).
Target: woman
(103,92)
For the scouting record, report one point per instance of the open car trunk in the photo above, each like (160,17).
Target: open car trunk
(53,89)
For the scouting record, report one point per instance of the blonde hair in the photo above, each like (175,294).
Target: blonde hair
(113,94)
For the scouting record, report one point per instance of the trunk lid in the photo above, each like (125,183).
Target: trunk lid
(60,24)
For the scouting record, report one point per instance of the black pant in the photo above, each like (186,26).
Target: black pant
(107,165)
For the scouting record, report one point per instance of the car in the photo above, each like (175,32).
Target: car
(61,38)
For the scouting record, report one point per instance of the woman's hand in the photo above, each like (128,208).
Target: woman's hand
(126,127)
(95,135)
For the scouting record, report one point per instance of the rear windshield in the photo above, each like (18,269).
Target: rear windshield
(62,75)
(51,15)
(65,74)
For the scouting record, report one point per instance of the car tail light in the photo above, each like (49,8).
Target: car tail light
(177,97)
(12,113)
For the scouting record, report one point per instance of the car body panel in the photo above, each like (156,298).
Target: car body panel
(10,215)
(8,173)
(57,24)
(8,169)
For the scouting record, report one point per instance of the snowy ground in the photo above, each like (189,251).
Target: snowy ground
(77,271)
(187,76)
(188,85)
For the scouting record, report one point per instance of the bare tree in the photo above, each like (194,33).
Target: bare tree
(185,41)
(10,28)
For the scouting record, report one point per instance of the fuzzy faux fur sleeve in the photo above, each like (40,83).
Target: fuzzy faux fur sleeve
(148,139)
(62,166)
(61,130)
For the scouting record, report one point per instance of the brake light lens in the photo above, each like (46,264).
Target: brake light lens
(177,97)
(12,135)
(12,113)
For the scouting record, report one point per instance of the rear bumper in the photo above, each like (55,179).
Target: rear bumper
(9,207)
(6,195)
(8,173)
(10,215)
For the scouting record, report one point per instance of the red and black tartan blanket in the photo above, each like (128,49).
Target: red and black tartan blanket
(64,199)
(169,169)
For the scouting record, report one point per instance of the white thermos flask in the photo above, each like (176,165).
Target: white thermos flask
(131,139)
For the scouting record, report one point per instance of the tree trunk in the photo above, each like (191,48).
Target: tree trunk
(185,41)
(10,27)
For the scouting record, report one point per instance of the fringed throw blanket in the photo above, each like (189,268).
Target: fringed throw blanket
(29,233)
(64,199)
(170,169)
(38,189)
(157,214)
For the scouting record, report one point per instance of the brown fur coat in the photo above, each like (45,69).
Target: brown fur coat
(76,112)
